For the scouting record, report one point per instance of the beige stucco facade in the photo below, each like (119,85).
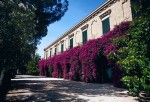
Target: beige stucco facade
(116,10)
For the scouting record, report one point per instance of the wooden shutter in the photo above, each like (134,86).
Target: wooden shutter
(55,51)
(71,42)
(106,25)
(46,54)
(84,36)
(50,53)
(62,48)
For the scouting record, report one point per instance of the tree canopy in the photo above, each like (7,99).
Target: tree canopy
(47,12)
(22,24)
(16,33)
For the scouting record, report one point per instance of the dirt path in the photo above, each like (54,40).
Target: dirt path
(39,89)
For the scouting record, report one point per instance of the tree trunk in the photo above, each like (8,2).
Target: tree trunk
(2,95)
(5,82)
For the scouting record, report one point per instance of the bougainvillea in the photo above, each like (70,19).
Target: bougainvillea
(90,62)
(89,51)
(65,64)
(96,48)
(75,66)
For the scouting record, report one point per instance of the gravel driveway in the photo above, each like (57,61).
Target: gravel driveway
(28,88)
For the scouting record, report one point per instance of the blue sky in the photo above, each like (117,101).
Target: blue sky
(77,10)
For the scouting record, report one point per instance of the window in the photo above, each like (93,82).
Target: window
(50,54)
(62,48)
(71,43)
(106,25)
(84,37)
(55,51)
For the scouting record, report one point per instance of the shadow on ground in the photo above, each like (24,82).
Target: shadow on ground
(59,91)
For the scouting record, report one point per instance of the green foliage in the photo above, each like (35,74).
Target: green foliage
(16,34)
(51,70)
(140,7)
(21,28)
(22,24)
(16,39)
(32,66)
(134,56)
(47,12)
(134,51)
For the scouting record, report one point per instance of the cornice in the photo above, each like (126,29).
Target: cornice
(61,41)
(71,35)
(107,4)
(105,14)
(56,45)
(84,27)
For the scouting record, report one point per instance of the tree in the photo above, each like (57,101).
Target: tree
(21,28)
(47,12)
(16,38)
(32,66)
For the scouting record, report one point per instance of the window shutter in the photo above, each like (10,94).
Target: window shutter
(55,51)
(46,54)
(50,53)
(106,25)
(84,36)
(62,48)
(71,42)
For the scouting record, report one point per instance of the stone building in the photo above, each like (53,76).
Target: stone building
(99,22)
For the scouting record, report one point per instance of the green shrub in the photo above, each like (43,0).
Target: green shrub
(32,66)
(134,56)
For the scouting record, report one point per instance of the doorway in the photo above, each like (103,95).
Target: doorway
(104,71)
